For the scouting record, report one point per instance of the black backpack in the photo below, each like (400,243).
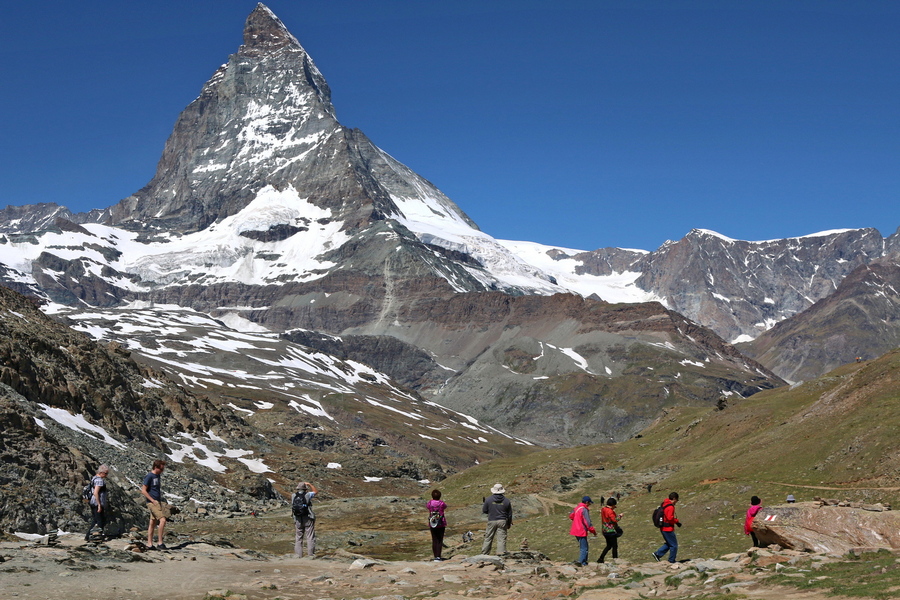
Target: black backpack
(87,492)
(299,506)
(658,516)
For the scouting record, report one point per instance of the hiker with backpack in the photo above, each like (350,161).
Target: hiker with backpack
(437,523)
(304,519)
(609,526)
(664,518)
(581,526)
(98,500)
(498,508)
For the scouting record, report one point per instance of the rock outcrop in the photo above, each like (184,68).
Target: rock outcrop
(68,404)
(829,529)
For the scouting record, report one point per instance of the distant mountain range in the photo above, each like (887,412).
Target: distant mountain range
(274,242)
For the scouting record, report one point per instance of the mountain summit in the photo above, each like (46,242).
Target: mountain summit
(266,212)
(254,122)
(264,33)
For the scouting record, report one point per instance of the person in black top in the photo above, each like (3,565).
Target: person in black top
(499,511)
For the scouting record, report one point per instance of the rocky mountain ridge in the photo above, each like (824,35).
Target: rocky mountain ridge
(740,289)
(264,209)
(68,404)
(858,321)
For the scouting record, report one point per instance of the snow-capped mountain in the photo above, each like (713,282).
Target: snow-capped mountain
(265,209)
(737,288)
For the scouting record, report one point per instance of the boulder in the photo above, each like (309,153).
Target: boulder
(834,530)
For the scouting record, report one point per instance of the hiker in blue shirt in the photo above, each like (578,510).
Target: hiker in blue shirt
(158,507)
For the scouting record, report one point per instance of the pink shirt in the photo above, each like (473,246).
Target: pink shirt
(751,513)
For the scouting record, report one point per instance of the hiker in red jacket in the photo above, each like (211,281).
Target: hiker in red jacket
(609,526)
(670,521)
(581,526)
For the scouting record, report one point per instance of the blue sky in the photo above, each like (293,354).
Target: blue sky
(583,124)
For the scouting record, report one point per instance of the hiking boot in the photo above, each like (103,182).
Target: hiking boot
(656,557)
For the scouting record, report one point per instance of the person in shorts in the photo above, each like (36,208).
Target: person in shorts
(156,504)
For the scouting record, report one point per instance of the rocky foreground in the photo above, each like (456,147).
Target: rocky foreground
(212,569)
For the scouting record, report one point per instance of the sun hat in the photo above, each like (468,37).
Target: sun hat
(498,489)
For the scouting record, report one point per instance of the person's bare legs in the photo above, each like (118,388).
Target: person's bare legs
(161,531)
(150,530)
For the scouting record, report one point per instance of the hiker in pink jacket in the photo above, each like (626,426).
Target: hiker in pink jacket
(581,526)
(755,507)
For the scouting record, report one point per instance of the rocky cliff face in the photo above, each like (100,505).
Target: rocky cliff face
(68,404)
(740,289)
(859,320)
(565,369)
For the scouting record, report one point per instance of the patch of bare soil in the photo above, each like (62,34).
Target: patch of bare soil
(209,568)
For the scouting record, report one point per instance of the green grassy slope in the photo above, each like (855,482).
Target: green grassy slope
(831,437)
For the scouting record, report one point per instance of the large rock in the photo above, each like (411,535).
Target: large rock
(830,529)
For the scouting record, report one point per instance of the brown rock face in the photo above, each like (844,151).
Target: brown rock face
(831,529)
(47,368)
(858,320)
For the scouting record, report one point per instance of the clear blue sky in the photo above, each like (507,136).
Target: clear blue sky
(576,123)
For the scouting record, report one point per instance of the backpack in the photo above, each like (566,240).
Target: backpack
(299,506)
(658,516)
(434,519)
(87,492)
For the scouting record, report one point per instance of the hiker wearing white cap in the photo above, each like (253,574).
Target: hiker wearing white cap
(499,511)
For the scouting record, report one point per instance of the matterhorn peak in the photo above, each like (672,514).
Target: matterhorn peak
(265,33)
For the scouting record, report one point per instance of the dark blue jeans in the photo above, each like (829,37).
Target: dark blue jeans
(670,545)
(583,546)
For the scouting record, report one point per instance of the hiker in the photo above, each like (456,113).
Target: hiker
(99,502)
(304,519)
(755,507)
(609,526)
(158,507)
(669,521)
(437,523)
(581,526)
(499,511)
(790,499)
